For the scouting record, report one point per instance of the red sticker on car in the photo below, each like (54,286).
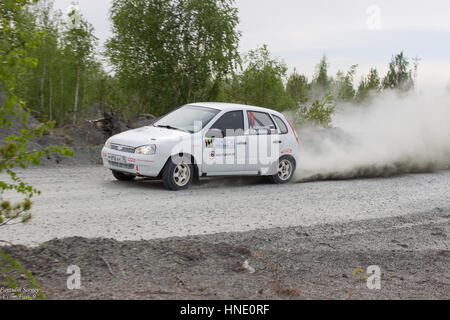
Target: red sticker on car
(252,118)
(286,151)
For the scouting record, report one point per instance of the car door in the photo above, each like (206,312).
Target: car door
(263,142)
(223,143)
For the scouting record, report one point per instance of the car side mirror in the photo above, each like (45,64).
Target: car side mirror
(215,133)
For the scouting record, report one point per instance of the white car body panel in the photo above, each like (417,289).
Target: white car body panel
(236,159)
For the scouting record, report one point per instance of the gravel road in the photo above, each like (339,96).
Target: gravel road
(87,202)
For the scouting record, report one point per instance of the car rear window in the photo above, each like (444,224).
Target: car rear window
(281,125)
(260,123)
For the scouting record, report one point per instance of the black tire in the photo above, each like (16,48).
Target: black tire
(122,176)
(178,173)
(280,178)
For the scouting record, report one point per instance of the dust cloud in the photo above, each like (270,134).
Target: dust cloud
(394,134)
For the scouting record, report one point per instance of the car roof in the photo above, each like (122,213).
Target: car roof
(232,106)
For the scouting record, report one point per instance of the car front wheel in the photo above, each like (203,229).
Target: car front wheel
(284,171)
(178,174)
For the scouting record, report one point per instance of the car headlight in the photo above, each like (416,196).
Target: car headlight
(108,144)
(146,150)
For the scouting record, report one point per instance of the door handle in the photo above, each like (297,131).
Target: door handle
(279,141)
(241,143)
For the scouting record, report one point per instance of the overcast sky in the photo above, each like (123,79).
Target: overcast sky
(349,32)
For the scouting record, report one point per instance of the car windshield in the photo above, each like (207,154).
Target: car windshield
(188,118)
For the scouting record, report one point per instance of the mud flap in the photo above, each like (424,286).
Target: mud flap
(196,178)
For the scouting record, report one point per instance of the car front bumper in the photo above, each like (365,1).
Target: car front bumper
(137,164)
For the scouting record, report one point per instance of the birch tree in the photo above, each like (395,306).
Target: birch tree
(78,46)
(170,52)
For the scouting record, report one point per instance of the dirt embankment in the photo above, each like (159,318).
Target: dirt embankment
(86,139)
(318,262)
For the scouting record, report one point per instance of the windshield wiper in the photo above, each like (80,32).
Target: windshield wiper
(171,128)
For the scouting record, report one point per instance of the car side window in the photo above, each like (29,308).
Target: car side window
(231,123)
(260,123)
(281,125)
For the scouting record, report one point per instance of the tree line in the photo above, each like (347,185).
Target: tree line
(166,53)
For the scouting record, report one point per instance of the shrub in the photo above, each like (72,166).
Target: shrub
(319,114)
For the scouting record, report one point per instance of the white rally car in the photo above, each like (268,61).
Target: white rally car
(206,139)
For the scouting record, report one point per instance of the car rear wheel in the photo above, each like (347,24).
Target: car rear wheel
(123,176)
(178,173)
(284,171)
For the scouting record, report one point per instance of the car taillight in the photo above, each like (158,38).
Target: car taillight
(293,130)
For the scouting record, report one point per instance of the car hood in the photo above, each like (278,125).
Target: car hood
(146,135)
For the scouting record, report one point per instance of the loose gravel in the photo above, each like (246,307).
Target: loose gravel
(317,262)
(86,201)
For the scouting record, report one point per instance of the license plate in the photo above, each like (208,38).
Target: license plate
(116,158)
